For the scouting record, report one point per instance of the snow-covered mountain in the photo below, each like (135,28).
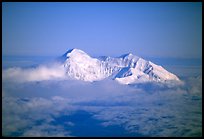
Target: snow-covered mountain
(126,69)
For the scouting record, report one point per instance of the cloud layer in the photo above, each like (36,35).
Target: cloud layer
(53,108)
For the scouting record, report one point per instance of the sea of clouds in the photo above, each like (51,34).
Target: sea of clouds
(41,101)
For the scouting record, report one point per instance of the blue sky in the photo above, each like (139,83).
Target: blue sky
(172,30)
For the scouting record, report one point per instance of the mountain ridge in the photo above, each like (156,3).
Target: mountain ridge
(125,69)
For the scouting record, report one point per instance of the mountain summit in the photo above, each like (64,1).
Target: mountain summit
(126,69)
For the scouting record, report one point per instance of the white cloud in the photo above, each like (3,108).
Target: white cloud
(39,73)
(31,117)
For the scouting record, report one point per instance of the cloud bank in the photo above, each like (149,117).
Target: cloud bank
(40,73)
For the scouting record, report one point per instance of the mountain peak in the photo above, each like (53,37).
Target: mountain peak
(70,50)
(74,51)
